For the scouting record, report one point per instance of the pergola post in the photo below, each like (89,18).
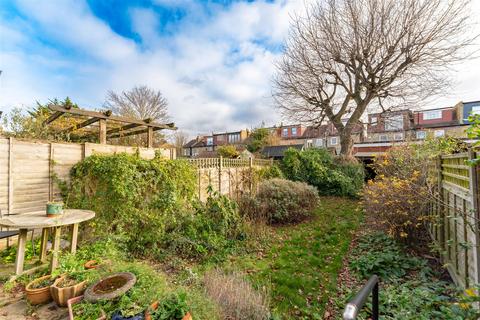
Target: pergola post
(150,137)
(102,133)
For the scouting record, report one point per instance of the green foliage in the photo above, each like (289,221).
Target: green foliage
(409,288)
(380,254)
(173,307)
(9,254)
(140,200)
(319,168)
(270,172)
(280,201)
(152,208)
(212,227)
(258,139)
(228,151)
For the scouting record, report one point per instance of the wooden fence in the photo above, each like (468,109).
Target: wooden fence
(455,224)
(226,176)
(28,169)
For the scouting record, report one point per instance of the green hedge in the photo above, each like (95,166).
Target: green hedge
(321,169)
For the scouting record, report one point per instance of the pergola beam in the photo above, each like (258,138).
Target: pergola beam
(83,124)
(131,133)
(124,128)
(54,116)
(95,114)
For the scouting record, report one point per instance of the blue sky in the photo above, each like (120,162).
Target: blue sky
(213,60)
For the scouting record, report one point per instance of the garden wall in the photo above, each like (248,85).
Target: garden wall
(455,227)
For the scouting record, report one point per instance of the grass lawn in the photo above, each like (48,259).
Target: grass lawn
(299,263)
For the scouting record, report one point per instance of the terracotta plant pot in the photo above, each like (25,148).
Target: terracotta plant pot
(153,307)
(110,287)
(61,295)
(70,304)
(188,316)
(39,295)
(54,209)
(91,264)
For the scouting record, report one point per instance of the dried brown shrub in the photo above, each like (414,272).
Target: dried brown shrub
(236,297)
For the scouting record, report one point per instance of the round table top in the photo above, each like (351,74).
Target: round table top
(37,220)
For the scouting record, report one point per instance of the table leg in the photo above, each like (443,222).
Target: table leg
(22,239)
(43,245)
(57,231)
(74,238)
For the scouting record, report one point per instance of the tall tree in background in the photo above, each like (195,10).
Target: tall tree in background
(180,138)
(140,103)
(344,56)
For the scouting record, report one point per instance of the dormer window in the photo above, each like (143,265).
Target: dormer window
(433,114)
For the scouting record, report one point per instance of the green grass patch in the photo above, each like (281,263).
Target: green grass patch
(299,263)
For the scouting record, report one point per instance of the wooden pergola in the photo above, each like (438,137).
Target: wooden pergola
(129,126)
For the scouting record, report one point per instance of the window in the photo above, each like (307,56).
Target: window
(383,137)
(209,141)
(318,142)
(421,135)
(285,132)
(233,137)
(333,141)
(394,123)
(398,136)
(438,133)
(434,114)
(475,110)
(373,121)
(294,131)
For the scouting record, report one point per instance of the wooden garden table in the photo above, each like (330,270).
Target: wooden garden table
(39,220)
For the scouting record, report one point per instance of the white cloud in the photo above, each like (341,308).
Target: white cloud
(215,69)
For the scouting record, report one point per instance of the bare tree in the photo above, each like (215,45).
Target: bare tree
(140,102)
(346,56)
(180,138)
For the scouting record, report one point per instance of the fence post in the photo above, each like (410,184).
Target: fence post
(220,167)
(250,169)
(476,216)
(440,207)
(10,177)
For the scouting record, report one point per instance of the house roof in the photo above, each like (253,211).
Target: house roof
(196,143)
(278,151)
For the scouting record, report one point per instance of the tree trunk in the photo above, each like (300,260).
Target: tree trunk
(346,144)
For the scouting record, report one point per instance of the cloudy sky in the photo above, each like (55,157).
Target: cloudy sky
(212,60)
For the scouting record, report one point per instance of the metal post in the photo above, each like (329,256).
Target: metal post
(375,302)
(353,308)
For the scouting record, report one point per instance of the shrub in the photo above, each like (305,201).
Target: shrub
(210,228)
(270,172)
(236,297)
(398,204)
(228,151)
(319,168)
(280,201)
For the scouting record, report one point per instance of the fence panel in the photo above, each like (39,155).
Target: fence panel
(455,216)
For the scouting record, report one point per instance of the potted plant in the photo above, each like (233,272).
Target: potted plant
(67,287)
(54,209)
(38,290)
(71,312)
